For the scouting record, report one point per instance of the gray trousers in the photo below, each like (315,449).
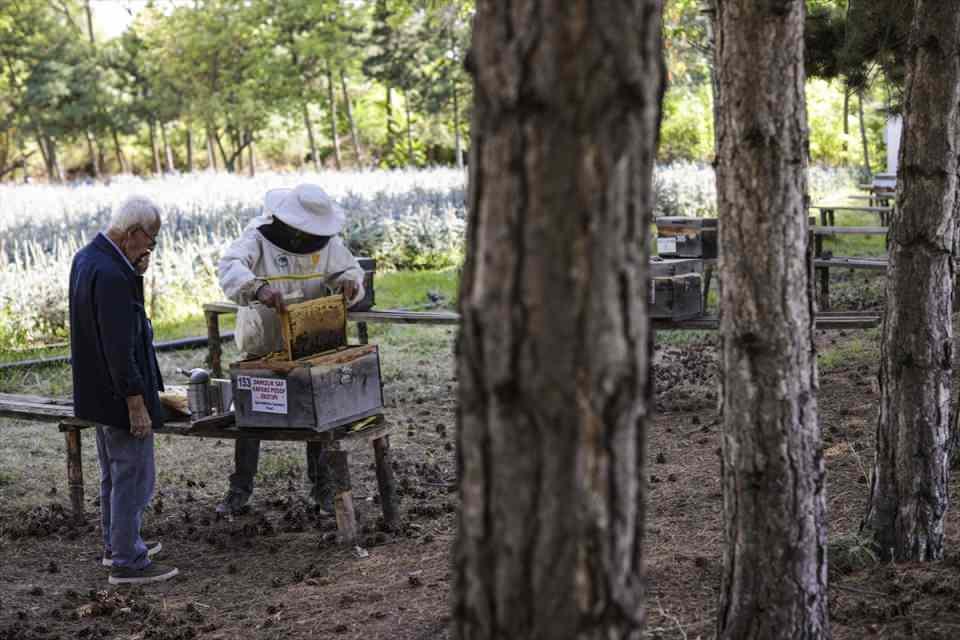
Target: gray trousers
(246,456)
(127,476)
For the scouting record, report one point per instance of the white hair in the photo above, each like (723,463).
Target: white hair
(135,211)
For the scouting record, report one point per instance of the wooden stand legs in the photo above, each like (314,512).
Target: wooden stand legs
(381,451)
(75,472)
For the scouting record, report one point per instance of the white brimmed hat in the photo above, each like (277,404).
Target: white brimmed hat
(306,207)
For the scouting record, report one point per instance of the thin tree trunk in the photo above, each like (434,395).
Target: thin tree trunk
(58,175)
(457,143)
(774,582)
(167,151)
(157,168)
(47,162)
(332,97)
(846,120)
(909,486)
(94,158)
(555,390)
(354,138)
(211,152)
(310,137)
(389,114)
(863,134)
(252,159)
(411,161)
(89,22)
(118,149)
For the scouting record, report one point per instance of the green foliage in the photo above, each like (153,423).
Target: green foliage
(686,132)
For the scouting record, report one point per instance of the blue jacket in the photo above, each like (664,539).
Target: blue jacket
(111,339)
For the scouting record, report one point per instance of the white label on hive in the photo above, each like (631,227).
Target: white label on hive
(243,382)
(666,245)
(269,395)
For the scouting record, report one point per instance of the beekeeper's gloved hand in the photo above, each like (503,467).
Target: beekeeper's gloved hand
(271,297)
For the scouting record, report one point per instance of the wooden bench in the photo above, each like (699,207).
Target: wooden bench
(338,442)
(823,265)
(828,212)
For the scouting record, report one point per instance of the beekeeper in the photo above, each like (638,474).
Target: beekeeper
(289,253)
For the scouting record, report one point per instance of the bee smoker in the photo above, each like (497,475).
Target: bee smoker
(198,393)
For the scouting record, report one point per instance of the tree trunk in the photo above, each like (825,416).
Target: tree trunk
(55,170)
(167,152)
(389,114)
(48,165)
(863,134)
(89,22)
(118,149)
(908,494)
(554,389)
(252,159)
(846,123)
(157,168)
(310,137)
(774,582)
(94,157)
(457,143)
(211,152)
(411,161)
(332,97)
(354,138)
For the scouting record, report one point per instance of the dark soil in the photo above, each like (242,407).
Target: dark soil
(278,572)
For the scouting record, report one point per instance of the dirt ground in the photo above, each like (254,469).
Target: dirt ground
(277,572)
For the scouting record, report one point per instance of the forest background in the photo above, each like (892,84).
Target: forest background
(98,87)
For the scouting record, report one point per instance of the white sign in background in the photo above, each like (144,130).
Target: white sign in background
(269,395)
(666,245)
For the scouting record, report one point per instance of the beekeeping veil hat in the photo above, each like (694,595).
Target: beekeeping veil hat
(306,207)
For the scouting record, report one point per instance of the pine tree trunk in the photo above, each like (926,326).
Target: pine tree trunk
(94,157)
(554,389)
(846,122)
(457,142)
(167,152)
(908,496)
(354,138)
(157,168)
(310,137)
(332,97)
(211,152)
(118,149)
(863,134)
(411,161)
(774,582)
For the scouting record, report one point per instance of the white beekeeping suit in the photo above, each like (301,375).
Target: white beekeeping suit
(252,261)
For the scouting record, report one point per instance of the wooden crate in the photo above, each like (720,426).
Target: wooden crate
(676,289)
(682,237)
(321,392)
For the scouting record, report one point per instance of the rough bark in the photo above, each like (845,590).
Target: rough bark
(332,98)
(354,138)
(775,569)
(310,136)
(908,495)
(553,351)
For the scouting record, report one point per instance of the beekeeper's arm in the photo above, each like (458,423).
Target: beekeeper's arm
(352,277)
(235,269)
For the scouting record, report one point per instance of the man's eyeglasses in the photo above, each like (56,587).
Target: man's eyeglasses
(153,239)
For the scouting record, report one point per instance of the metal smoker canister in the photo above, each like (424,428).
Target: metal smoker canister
(198,393)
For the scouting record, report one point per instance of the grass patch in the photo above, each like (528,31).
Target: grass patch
(863,349)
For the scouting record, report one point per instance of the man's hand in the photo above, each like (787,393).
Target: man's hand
(141,425)
(350,290)
(271,297)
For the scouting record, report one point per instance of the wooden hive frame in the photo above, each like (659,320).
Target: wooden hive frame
(314,326)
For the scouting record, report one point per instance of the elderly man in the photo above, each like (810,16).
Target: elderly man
(116,381)
(291,251)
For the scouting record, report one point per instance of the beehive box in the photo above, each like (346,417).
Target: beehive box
(320,392)
(676,289)
(682,237)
